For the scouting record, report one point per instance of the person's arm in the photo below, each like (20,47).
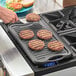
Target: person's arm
(8,16)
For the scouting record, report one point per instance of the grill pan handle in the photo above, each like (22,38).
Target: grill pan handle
(54,58)
(57,58)
(18,22)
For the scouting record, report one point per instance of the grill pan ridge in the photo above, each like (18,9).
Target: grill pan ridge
(37,57)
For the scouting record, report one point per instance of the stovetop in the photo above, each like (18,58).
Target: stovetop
(62,23)
(62,20)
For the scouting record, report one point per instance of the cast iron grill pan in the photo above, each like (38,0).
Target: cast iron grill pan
(37,57)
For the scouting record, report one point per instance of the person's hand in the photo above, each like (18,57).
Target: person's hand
(8,16)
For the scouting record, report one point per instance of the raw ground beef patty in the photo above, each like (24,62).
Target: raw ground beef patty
(32,17)
(36,44)
(55,45)
(26,34)
(44,34)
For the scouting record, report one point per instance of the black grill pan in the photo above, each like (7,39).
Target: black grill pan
(37,57)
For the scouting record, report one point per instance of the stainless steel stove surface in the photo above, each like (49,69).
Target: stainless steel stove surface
(64,30)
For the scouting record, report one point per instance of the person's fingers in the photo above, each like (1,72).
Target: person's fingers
(9,16)
(13,21)
(16,17)
(5,20)
(8,20)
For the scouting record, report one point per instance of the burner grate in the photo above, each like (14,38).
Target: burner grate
(64,25)
(72,16)
(70,38)
(61,21)
(53,16)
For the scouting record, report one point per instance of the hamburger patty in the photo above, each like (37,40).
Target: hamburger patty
(36,44)
(32,17)
(44,34)
(26,34)
(55,45)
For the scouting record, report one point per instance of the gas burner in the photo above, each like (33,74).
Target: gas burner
(70,13)
(70,38)
(62,20)
(67,12)
(50,64)
(64,26)
(74,48)
(53,16)
(72,16)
